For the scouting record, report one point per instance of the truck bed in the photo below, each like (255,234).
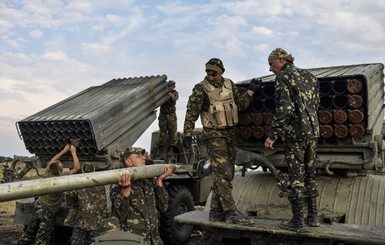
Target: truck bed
(265,228)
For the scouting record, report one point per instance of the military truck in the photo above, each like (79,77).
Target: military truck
(106,119)
(350,165)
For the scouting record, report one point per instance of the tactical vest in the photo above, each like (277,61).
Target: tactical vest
(222,112)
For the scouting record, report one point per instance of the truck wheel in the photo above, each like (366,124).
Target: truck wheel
(180,201)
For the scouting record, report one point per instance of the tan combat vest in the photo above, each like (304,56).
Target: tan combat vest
(222,112)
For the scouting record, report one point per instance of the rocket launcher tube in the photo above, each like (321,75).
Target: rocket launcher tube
(44,186)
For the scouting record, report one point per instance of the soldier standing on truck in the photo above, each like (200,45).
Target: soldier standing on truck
(217,101)
(42,224)
(137,204)
(297,101)
(88,206)
(168,120)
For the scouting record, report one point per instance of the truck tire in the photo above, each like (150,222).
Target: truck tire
(180,201)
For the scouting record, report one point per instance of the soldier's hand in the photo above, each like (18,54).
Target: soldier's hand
(255,84)
(187,141)
(269,143)
(74,142)
(125,180)
(167,172)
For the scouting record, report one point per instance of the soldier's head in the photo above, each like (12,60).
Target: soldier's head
(277,59)
(56,168)
(133,157)
(171,85)
(108,225)
(88,168)
(214,70)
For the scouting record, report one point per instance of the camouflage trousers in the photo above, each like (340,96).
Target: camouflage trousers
(83,237)
(222,152)
(41,227)
(168,124)
(300,157)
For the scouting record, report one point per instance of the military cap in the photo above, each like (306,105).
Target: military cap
(171,83)
(215,64)
(280,53)
(132,150)
(108,224)
(88,167)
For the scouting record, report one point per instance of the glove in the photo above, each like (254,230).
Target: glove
(187,141)
(255,84)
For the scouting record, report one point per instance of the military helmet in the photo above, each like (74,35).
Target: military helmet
(88,167)
(214,64)
(171,83)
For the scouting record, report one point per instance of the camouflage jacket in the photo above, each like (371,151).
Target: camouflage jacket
(139,212)
(170,105)
(198,101)
(86,207)
(297,101)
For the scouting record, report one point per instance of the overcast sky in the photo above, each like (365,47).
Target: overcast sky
(53,49)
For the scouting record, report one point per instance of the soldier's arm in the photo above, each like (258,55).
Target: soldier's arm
(174,96)
(119,204)
(161,196)
(242,100)
(194,106)
(61,153)
(284,107)
(75,160)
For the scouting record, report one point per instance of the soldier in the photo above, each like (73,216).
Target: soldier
(89,205)
(137,204)
(217,101)
(111,234)
(42,224)
(168,120)
(297,100)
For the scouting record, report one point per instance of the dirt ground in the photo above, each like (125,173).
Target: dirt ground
(8,229)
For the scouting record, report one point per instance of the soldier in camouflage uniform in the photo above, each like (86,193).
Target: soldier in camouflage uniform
(137,204)
(217,101)
(297,100)
(168,120)
(42,224)
(89,206)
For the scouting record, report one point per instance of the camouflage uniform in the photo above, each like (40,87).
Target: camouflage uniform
(139,212)
(296,118)
(90,205)
(43,220)
(220,145)
(168,121)
(297,101)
